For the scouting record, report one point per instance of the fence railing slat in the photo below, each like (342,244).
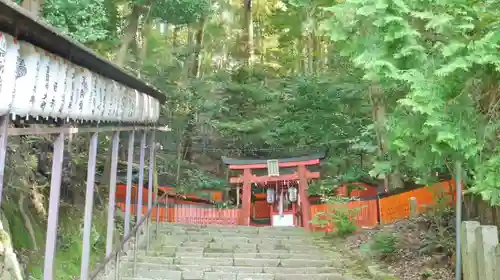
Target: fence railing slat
(130,161)
(55,191)
(140,184)
(89,204)
(112,193)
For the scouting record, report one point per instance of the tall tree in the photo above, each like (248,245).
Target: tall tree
(248,37)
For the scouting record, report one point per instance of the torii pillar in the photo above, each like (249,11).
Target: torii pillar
(305,206)
(246,198)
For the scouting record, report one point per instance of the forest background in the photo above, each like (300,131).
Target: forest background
(395,91)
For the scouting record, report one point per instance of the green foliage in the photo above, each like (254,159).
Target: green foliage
(384,244)
(192,178)
(433,53)
(181,11)
(344,224)
(85,20)
(294,113)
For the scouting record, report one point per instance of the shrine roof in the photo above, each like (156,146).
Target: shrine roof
(24,26)
(235,161)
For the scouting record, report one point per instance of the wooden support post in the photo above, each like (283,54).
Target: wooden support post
(486,241)
(304,197)
(238,196)
(469,250)
(413,207)
(246,199)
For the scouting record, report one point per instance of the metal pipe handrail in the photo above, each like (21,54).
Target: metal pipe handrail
(120,246)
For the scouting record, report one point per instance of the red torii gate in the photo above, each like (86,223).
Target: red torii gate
(301,175)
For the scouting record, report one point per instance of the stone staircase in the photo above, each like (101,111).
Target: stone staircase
(193,252)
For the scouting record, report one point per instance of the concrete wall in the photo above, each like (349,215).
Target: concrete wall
(480,251)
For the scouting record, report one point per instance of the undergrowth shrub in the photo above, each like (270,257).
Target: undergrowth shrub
(338,214)
(384,245)
(439,225)
(343,222)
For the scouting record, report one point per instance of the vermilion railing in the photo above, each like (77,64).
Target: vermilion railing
(191,215)
(203,216)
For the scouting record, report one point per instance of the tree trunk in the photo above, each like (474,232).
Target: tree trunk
(297,53)
(179,160)
(379,115)
(310,53)
(259,36)
(144,31)
(316,52)
(129,34)
(175,36)
(197,55)
(194,74)
(248,43)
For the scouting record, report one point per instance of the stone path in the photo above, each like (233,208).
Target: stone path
(232,253)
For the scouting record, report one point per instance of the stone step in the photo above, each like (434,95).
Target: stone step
(231,261)
(201,249)
(238,231)
(228,227)
(230,244)
(127,269)
(210,237)
(230,233)
(240,276)
(196,272)
(191,251)
(235,248)
(270,255)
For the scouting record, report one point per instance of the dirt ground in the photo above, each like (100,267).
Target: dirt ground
(407,262)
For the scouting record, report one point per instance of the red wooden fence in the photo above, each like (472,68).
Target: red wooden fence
(391,209)
(190,215)
(206,216)
(364,214)
(397,207)
(361,190)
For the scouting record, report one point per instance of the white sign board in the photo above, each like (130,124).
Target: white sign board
(283,221)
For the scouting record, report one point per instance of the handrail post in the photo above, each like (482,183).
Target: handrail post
(112,193)
(140,184)
(117,266)
(121,245)
(89,204)
(136,245)
(55,191)
(147,234)
(152,158)
(166,209)
(157,218)
(4,136)
(130,161)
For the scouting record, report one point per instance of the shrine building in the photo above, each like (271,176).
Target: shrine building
(273,192)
